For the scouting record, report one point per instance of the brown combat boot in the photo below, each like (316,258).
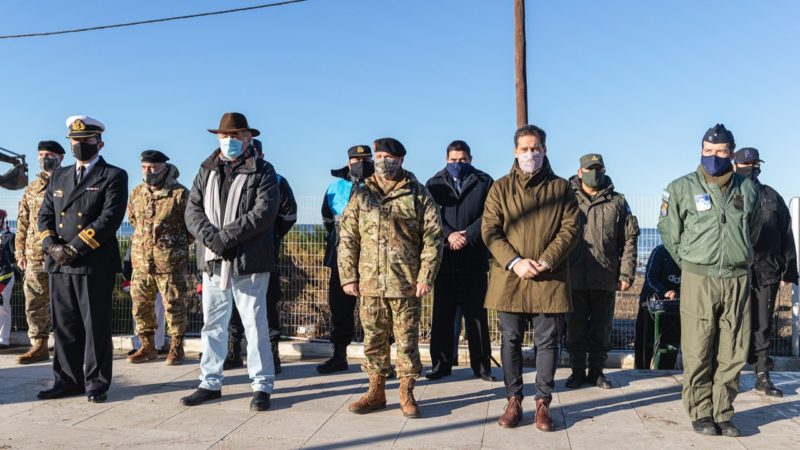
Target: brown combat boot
(543,421)
(374,399)
(175,355)
(146,352)
(513,413)
(37,353)
(407,402)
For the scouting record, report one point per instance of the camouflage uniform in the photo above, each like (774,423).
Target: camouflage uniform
(29,242)
(388,243)
(160,253)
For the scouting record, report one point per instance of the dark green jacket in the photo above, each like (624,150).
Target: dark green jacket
(606,251)
(706,232)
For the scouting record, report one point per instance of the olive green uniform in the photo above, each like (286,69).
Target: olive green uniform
(709,226)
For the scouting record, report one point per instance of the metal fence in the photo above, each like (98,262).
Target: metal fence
(304,309)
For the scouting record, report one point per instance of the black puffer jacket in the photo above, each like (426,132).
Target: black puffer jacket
(775,259)
(462,212)
(250,236)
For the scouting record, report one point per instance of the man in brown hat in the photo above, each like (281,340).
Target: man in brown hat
(231,211)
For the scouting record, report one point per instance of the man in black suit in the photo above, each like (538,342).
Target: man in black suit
(83,207)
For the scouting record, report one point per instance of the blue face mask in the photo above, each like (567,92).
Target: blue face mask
(231,148)
(715,165)
(458,169)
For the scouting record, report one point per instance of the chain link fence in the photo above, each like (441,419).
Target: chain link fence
(304,308)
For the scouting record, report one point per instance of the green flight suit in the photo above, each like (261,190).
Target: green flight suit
(710,232)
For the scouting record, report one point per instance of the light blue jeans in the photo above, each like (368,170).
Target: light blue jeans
(250,294)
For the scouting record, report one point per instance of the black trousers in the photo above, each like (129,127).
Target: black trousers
(645,339)
(342,311)
(274,295)
(469,291)
(589,328)
(762,309)
(81,310)
(547,332)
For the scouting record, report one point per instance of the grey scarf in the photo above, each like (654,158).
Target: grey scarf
(211,206)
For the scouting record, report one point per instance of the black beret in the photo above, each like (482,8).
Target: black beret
(718,134)
(154,156)
(359,151)
(391,146)
(746,155)
(51,146)
(258,146)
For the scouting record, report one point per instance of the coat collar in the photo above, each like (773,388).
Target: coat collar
(248,166)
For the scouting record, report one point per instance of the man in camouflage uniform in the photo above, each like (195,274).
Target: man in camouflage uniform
(160,255)
(389,252)
(30,256)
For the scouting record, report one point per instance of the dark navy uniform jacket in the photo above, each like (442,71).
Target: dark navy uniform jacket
(86,216)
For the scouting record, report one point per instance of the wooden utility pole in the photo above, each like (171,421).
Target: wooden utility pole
(519,62)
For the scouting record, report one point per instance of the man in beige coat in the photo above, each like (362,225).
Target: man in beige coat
(530,225)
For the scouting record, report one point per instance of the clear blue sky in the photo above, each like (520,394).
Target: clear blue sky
(637,81)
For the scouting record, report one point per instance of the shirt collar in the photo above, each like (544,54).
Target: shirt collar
(88,165)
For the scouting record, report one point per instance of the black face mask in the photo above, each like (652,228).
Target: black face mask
(49,164)
(748,171)
(362,170)
(83,151)
(156,179)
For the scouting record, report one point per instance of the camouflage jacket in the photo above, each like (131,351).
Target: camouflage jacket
(160,240)
(29,240)
(390,242)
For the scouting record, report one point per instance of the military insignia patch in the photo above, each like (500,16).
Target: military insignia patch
(665,196)
(78,125)
(664,209)
(58,193)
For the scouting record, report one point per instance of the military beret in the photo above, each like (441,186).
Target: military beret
(359,151)
(592,159)
(51,146)
(391,146)
(718,134)
(746,155)
(154,156)
(84,126)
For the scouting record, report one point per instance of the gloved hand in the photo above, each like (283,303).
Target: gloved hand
(216,245)
(63,254)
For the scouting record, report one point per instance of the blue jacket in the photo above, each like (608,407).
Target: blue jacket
(337,196)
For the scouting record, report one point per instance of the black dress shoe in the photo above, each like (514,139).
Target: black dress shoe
(577,379)
(487,377)
(96,397)
(199,396)
(705,426)
(765,386)
(437,373)
(599,379)
(260,401)
(729,429)
(60,392)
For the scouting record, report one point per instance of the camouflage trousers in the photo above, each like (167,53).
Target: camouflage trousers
(379,316)
(37,300)
(174,293)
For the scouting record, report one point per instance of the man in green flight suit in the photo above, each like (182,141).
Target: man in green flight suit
(710,220)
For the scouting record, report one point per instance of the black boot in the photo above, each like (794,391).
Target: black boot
(276,356)
(337,362)
(764,385)
(234,358)
(729,429)
(597,378)
(577,379)
(705,426)
(199,396)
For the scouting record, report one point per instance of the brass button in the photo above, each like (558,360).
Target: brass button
(80,227)
(60,237)
(80,214)
(61,225)
(63,214)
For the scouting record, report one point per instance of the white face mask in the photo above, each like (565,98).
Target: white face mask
(530,162)
(231,148)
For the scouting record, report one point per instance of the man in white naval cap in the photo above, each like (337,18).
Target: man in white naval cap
(82,209)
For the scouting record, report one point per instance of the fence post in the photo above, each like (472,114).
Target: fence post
(794,207)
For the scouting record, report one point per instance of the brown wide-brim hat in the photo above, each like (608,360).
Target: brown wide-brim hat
(233,122)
